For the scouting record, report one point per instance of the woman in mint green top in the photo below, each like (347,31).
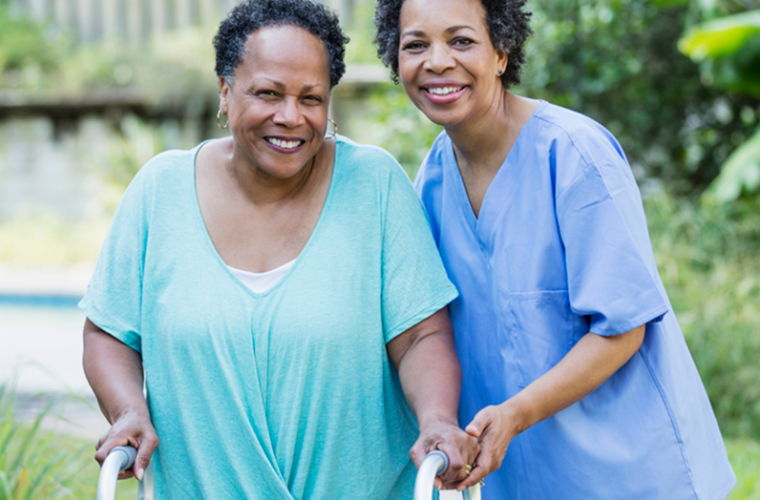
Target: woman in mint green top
(309,388)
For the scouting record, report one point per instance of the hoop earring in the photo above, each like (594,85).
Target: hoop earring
(335,128)
(219,120)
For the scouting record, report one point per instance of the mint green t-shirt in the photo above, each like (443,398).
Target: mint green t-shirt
(287,394)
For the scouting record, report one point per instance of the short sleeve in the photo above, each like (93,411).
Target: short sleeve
(114,294)
(414,281)
(612,277)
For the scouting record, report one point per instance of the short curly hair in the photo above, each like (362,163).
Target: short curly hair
(252,15)
(508,28)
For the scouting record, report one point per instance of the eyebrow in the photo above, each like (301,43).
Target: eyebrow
(305,88)
(450,30)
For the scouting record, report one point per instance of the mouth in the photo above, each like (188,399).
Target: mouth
(284,145)
(444,95)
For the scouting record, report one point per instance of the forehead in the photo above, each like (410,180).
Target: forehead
(285,49)
(435,15)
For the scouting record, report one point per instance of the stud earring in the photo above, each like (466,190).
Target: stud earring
(500,72)
(219,120)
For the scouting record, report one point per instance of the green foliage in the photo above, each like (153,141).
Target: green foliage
(741,172)
(728,49)
(720,37)
(617,61)
(32,467)
(24,44)
(744,455)
(708,259)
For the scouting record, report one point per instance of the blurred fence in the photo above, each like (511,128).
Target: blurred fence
(132,20)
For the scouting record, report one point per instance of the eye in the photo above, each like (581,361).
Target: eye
(462,42)
(313,99)
(414,45)
(265,93)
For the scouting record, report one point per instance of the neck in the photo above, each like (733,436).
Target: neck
(483,142)
(263,189)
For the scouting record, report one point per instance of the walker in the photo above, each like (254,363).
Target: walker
(123,457)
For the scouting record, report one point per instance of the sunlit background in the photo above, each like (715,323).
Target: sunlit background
(91,89)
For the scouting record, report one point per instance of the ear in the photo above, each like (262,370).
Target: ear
(502,58)
(224,89)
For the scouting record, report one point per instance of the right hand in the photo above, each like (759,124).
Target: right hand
(132,428)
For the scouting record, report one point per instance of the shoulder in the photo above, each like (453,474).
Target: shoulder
(168,163)
(577,144)
(365,162)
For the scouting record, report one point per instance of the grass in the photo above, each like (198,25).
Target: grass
(39,464)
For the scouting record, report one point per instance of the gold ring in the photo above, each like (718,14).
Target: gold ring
(468,468)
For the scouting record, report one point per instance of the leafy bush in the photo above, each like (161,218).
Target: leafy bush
(708,259)
(617,61)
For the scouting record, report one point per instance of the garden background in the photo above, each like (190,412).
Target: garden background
(90,90)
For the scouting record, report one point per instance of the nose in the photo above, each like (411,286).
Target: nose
(439,58)
(289,113)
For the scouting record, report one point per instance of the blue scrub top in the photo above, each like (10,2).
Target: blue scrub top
(561,249)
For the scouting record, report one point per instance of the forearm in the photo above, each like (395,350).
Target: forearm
(589,364)
(431,378)
(115,373)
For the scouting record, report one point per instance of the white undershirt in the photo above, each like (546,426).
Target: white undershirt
(261,282)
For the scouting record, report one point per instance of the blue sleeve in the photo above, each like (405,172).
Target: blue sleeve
(415,283)
(611,275)
(114,295)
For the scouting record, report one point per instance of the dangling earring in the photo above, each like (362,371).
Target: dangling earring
(335,128)
(219,120)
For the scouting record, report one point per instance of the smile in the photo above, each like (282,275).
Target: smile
(284,144)
(444,90)
(443,95)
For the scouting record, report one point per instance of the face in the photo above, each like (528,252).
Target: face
(277,105)
(447,63)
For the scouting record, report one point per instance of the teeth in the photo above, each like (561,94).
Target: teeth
(283,144)
(444,90)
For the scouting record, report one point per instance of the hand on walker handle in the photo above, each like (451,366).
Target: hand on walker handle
(130,429)
(118,459)
(434,464)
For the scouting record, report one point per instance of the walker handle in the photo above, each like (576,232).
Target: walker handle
(118,459)
(435,464)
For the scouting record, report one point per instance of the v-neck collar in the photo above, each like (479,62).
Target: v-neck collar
(201,226)
(499,192)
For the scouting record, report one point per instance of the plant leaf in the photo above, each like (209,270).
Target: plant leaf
(741,171)
(720,37)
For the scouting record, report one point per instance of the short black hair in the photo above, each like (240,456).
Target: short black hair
(252,15)
(508,28)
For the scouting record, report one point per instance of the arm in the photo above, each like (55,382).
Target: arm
(431,378)
(592,361)
(115,373)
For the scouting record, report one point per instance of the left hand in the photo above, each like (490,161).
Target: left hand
(461,448)
(494,428)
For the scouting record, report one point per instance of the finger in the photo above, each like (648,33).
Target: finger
(418,453)
(477,474)
(106,447)
(126,474)
(479,424)
(457,465)
(148,445)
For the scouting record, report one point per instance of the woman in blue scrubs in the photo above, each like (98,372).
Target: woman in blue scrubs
(577,380)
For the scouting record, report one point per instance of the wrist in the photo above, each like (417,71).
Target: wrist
(518,413)
(431,419)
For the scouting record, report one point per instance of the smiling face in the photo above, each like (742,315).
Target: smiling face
(447,63)
(277,105)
